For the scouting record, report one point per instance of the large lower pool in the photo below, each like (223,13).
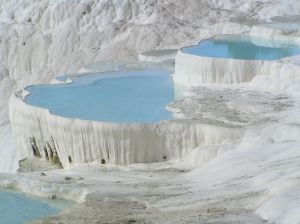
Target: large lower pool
(243,47)
(17,208)
(139,96)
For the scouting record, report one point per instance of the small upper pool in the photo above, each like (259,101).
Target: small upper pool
(243,47)
(17,208)
(282,25)
(138,96)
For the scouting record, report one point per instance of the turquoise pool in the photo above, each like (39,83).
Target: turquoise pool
(243,47)
(139,96)
(17,208)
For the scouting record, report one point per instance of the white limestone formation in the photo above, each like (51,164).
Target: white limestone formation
(43,39)
(192,70)
(40,39)
(277,32)
(75,141)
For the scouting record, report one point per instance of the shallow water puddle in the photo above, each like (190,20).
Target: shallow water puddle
(18,208)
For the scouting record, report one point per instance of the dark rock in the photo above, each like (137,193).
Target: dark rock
(68,178)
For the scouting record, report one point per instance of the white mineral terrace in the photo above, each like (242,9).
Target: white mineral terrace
(196,123)
(278,31)
(194,70)
(89,141)
(230,154)
(75,141)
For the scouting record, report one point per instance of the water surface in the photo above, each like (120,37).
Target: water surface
(282,26)
(17,208)
(243,47)
(139,96)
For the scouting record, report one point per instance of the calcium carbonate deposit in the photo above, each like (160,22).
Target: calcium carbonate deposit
(228,151)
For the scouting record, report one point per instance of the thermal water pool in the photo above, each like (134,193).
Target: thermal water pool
(138,96)
(243,47)
(282,26)
(17,208)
